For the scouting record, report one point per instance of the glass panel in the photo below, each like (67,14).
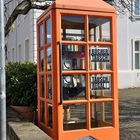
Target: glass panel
(74,87)
(100,58)
(49,107)
(137,46)
(41,36)
(73,28)
(42,118)
(74,117)
(137,61)
(101,114)
(100,86)
(50,86)
(42,60)
(99,29)
(73,57)
(49,58)
(42,86)
(48,27)
(137,7)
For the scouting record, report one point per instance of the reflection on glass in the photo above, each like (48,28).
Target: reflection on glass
(74,117)
(136,7)
(100,86)
(42,60)
(137,45)
(72,28)
(101,114)
(42,86)
(99,58)
(99,29)
(73,57)
(74,87)
(42,118)
(49,107)
(49,86)
(48,27)
(41,35)
(49,58)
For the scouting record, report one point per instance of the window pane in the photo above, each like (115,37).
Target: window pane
(137,61)
(49,112)
(137,45)
(99,29)
(73,28)
(73,57)
(48,27)
(74,87)
(50,86)
(42,118)
(101,114)
(100,86)
(42,86)
(49,58)
(137,7)
(74,117)
(100,58)
(41,36)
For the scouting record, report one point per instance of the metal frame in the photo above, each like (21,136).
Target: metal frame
(103,133)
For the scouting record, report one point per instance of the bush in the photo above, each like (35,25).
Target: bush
(21,84)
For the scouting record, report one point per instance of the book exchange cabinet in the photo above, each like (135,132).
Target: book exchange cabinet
(77,71)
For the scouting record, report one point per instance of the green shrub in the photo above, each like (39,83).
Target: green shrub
(21,84)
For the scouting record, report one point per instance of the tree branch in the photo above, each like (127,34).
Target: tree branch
(23,8)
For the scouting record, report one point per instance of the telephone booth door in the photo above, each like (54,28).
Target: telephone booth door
(77,72)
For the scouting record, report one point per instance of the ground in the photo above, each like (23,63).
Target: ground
(129,108)
(129,114)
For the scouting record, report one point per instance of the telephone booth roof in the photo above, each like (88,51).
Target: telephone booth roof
(90,5)
(83,5)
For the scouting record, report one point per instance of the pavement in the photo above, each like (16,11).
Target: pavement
(129,113)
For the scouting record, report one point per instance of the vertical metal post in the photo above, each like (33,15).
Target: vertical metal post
(2,76)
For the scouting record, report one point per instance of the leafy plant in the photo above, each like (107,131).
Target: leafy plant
(21,84)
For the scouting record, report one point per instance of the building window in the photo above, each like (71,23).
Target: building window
(9,56)
(13,55)
(137,55)
(136,7)
(27,50)
(19,53)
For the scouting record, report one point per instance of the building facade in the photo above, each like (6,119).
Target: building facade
(21,40)
(22,45)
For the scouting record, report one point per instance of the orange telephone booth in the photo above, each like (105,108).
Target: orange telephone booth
(77,71)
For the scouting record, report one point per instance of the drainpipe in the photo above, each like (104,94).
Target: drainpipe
(2,76)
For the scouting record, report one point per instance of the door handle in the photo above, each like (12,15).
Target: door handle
(60,69)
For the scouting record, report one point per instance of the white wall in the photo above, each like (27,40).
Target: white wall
(24,29)
(127,31)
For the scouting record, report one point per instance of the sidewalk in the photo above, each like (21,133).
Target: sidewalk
(129,108)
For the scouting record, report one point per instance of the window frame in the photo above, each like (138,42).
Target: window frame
(135,52)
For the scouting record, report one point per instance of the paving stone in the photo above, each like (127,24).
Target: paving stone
(129,109)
